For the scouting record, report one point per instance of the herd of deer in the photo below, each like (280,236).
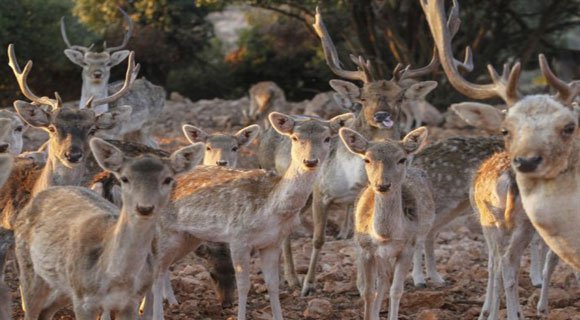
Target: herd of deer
(109,249)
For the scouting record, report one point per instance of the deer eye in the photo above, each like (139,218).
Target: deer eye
(569,129)
(402,161)
(19,129)
(327,140)
(92,131)
(124,180)
(52,128)
(294,138)
(366,160)
(235,149)
(208,148)
(168,181)
(504,132)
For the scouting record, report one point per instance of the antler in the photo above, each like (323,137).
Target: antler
(363,66)
(566,91)
(67,42)
(504,87)
(127,34)
(400,73)
(22,79)
(130,76)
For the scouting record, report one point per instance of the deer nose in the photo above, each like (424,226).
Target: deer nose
(97,74)
(145,211)
(74,156)
(221,163)
(530,164)
(4,147)
(311,163)
(383,187)
(381,116)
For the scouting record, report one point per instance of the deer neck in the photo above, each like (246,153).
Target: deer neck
(388,218)
(96,90)
(292,190)
(362,126)
(128,245)
(55,173)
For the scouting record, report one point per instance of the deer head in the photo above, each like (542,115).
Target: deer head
(69,129)
(222,149)
(539,130)
(380,99)
(11,130)
(96,65)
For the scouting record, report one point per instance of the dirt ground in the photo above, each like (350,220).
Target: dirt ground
(460,251)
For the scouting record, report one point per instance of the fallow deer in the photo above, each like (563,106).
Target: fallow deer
(12,128)
(265,97)
(393,212)
(248,209)
(69,131)
(542,148)
(71,241)
(342,174)
(146,99)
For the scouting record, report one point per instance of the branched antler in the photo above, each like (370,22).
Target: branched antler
(364,66)
(566,91)
(22,79)
(504,87)
(130,76)
(127,34)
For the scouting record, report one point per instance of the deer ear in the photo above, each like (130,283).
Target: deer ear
(415,140)
(107,155)
(118,57)
(347,89)
(6,162)
(75,56)
(32,114)
(342,120)
(186,158)
(112,118)
(353,141)
(345,103)
(480,115)
(282,123)
(246,135)
(194,134)
(420,90)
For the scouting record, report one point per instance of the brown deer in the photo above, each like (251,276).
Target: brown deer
(342,174)
(265,97)
(248,209)
(146,99)
(74,243)
(542,148)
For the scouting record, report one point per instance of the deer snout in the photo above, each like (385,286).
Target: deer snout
(4,147)
(144,210)
(312,163)
(381,116)
(97,75)
(221,163)
(74,156)
(528,164)
(383,187)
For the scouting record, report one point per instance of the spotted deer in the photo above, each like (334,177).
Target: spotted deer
(146,99)
(6,162)
(393,211)
(248,209)
(542,149)
(69,131)
(71,241)
(342,174)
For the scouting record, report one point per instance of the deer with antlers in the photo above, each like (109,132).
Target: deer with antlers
(543,148)
(146,99)
(69,131)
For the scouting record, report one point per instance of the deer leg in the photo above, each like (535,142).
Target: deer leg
(418,275)
(402,265)
(491,274)
(346,227)
(168,293)
(241,260)
(290,274)
(320,216)
(537,259)
(430,262)
(384,276)
(270,267)
(549,266)
(367,273)
(510,267)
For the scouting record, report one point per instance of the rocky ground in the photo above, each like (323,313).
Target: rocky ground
(461,256)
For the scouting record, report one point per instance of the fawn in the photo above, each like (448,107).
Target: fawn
(73,242)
